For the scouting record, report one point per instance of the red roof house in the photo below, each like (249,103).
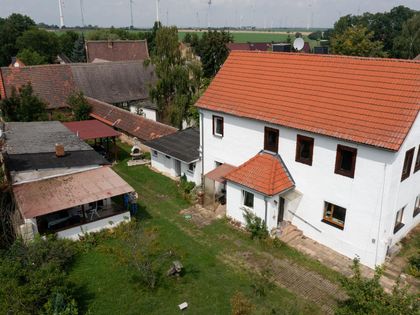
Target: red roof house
(119,50)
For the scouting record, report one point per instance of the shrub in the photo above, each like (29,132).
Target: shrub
(414,265)
(80,106)
(255,225)
(240,304)
(185,185)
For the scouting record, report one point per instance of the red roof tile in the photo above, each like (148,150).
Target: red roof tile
(120,50)
(265,173)
(135,125)
(91,129)
(367,100)
(52,83)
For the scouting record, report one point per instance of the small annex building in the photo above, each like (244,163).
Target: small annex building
(178,154)
(60,184)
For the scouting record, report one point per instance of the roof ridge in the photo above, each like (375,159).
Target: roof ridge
(237,52)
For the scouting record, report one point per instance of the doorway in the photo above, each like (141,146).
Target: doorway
(280,216)
(177,167)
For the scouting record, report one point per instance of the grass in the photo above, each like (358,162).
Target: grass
(209,282)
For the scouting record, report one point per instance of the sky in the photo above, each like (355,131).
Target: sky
(184,13)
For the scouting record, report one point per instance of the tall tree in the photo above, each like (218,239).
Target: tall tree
(80,106)
(67,41)
(407,45)
(10,29)
(31,58)
(78,53)
(43,42)
(23,106)
(178,81)
(357,41)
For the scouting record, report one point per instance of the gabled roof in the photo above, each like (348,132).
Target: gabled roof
(183,145)
(91,129)
(132,124)
(58,193)
(52,83)
(114,82)
(366,100)
(264,173)
(118,50)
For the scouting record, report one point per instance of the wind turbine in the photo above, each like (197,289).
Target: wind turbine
(60,6)
(208,14)
(82,13)
(157,10)
(131,12)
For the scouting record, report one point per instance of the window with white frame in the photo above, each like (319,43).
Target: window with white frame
(247,199)
(416,206)
(191,167)
(218,128)
(399,220)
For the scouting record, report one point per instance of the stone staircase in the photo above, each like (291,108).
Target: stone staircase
(288,233)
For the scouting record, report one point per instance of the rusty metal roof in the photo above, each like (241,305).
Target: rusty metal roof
(218,174)
(91,129)
(46,196)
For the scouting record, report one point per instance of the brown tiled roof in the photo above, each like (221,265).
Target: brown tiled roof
(137,126)
(366,100)
(249,46)
(119,50)
(52,83)
(265,173)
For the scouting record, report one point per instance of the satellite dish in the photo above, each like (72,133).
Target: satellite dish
(298,44)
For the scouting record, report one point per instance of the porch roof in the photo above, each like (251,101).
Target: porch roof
(218,174)
(42,197)
(265,173)
(91,129)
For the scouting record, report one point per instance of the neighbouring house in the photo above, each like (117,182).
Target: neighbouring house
(16,63)
(116,50)
(60,184)
(123,84)
(178,154)
(334,149)
(135,128)
(249,46)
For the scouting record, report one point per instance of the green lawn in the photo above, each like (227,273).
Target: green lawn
(209,282)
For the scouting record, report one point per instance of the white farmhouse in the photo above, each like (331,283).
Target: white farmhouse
(330,144)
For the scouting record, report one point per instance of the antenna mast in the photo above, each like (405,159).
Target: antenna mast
(131,12)
(82,13)
(208,14)
(60,6)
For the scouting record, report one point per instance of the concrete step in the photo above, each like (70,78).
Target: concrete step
(291,236)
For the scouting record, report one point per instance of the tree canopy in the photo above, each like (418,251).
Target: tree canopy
(41,41)
(23,106)
(80,106)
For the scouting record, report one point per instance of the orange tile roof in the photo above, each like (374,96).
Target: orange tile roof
(265,173)
(366,100)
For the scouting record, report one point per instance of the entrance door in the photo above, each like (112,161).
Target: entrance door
(280,216)
(177,167)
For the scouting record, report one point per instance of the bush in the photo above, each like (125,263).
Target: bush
(255,225)
(414,265)
(367,296)
(80,106)
(185,185)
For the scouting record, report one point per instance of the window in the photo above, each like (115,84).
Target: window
(334,215)
(416,206)
(398,220)
(417,165)
(304,149)
(218,126)
(168,157)
(191,167)
(248,199)
(271,139)
(408,161)
(345,162)
(155,153)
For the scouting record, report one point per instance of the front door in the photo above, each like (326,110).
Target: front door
(280,216)
(177,168)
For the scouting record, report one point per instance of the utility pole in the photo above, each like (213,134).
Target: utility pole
(60,6)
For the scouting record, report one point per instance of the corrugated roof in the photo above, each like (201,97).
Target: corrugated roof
(42,197)
(183,145)
(219,173)
(91,129)
(114,82)
(118,50)
(52,83)
(264,173)
(132,124)
(366,100)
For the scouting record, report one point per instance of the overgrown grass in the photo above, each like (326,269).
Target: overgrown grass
(208,283)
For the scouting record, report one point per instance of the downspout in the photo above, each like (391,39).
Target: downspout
(265,213)
(202,148)
(380,214)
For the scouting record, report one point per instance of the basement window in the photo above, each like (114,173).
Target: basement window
(345,162)
(304,149)
(399,220)
(334,215)
(154,153)
(416,206)
(417,165)
(218,126)
(248,199)
(408,161)
(271,139)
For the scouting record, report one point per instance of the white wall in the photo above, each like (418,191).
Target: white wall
(362,195)
(147,112)
(167,167)
(107,223)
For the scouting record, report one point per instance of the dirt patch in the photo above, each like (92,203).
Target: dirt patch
(200,216)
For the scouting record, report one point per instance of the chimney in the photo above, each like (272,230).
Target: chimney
(59,150)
